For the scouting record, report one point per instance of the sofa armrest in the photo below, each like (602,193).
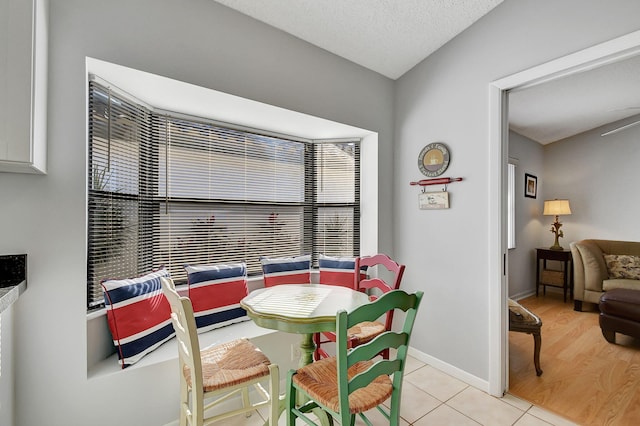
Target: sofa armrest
(578,271)
(589,268)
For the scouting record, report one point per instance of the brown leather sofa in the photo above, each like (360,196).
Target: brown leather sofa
(590,275)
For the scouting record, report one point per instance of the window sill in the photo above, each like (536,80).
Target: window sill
(102,359)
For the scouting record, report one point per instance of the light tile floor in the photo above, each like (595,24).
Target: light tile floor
(433,398)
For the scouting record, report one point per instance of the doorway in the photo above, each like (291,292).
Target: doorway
(593,57)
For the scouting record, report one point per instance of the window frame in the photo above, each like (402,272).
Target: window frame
(511,203)
(310,207)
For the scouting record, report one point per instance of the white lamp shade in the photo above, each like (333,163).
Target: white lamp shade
(556,207)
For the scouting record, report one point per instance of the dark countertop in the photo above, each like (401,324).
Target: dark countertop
(13,278)
(13,269)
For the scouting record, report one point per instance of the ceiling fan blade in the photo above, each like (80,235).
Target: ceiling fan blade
(621,128)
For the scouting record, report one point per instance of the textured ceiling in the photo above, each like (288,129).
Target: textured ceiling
(392,36)
(575,104)
(387,36)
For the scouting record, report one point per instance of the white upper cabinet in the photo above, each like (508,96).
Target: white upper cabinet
(23,86)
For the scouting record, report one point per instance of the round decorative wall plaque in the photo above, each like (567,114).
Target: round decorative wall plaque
(434,159)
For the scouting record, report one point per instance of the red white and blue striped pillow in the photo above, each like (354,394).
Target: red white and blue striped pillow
(337,270)
(215,292)
(138,314)
(286,270)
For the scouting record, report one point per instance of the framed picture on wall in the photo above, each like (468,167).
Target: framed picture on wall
(530,185)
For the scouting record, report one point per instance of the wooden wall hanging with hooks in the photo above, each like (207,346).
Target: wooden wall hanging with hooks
(434,200)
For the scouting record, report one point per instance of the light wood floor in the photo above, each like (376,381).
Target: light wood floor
(585,379)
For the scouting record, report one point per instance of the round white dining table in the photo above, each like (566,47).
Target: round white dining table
(304,309)
(301,308)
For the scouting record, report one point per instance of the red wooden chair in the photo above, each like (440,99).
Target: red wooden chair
(366,331)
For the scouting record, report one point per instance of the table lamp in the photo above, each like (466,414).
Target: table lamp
(556,208)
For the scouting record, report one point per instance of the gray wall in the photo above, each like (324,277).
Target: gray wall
(445,98)
(600,177)
(196,41)
(531,231)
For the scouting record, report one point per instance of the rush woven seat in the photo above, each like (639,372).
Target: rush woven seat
(365,331)
(212,375)
(229,364)
(357,380)
(320,381)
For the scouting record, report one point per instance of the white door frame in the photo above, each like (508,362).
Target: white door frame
(605,53)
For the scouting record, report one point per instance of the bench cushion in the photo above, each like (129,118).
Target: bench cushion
(215,292)
(138,314)
(337,270)
(286,270)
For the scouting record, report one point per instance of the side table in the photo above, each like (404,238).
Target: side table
(553,277)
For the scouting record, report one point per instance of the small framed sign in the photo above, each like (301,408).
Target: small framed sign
(433,200)
(530,186)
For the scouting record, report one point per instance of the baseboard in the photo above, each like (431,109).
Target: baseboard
(451,370)
(522,295)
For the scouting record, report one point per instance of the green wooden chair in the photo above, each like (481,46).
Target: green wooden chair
(356,380)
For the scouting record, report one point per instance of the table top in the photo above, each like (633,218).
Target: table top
(564,250)
(547,253)
(301,308)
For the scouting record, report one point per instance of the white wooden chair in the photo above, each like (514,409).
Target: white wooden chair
(211,376)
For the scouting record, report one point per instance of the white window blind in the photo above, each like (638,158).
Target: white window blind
(120,210)
(169,190)
(337,179)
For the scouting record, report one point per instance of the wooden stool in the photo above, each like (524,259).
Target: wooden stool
(523,320)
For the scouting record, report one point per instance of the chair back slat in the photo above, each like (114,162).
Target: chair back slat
(185,326)
(383,367)
(365,380)
(345,357)
(393,268)
(182,335)
(380,266)
(371,283)
(368,350)
(393,300)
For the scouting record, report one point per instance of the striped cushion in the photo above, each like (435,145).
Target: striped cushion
(337,270)
(286,270)
(215,292)
(138,315)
